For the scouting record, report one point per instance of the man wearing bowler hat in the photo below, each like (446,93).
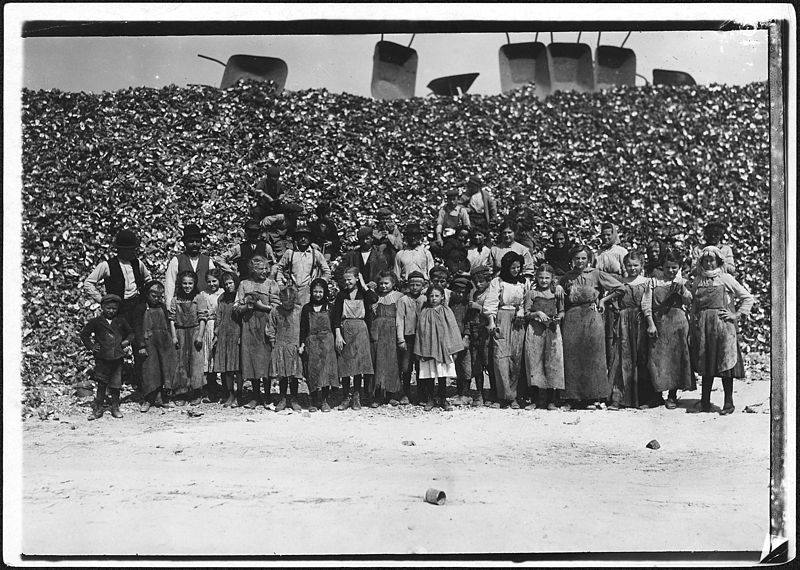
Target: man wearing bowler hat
(122,275)
(302,264)
(190,260)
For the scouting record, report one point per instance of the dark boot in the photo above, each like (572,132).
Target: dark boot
(115,403)
(97,405)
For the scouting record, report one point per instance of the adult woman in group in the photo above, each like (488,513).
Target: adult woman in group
(558,255)
(504,307)
(587,290)
(507,242)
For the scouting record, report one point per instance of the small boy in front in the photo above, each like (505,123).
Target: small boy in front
(107,335)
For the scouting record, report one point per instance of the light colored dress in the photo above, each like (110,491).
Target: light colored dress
(256,352)
(211,300)
(544,351)
(283,333)
(505,301)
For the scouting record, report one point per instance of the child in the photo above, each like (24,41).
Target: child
(459,304)
(438,339)
(663,305)
(451,216)
(283,333)
(585,372)
(656,250)
(408,309)
(387,334)
(242,253)
(544,353)
(627,370)
(317,346)
(256,297)
(505,308)
(414,257)
(478,253)
(480,348)
(106,336)
(227,335)
(351,317)
(715,346)
(154,344)
(713,234)
(441,276)
(211,298)
(302,264)
(557,255)
(187,311)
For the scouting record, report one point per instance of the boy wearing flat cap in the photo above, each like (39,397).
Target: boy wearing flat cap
(107,335)
(190,260)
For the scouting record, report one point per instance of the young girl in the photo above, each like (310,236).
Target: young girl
(438,339)
(283,333)
(187,310)
(211,297)
(663,305)
(656,250)
(627,371)
(386,332)
(317,346)
(227,335)
(585,373)
(352,312)
(544,353)
(504,306)
(154,336)
(715,347)
(256,297)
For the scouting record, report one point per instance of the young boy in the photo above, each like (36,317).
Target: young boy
(242,253)
(451,216)
(459,304)
(107,336)
(478,253)
(480,347)
(408,309)
(415,256)
(441,276)
(301,265)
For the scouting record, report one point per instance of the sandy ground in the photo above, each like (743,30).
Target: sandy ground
(257,482)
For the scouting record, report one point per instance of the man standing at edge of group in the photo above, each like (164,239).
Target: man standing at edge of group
(190,260)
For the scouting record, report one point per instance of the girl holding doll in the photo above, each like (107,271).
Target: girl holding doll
(317,346)
(718,301)
(438,338)
(544,352)
(227,335)
(257,296)
(664,305)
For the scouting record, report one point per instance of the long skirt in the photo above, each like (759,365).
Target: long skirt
(355,357)
(627,371)
(208,344)
(285,361)
(585,376)
(384,350)
(158,369)
(320,355)
(189,374)
(508,353)
(256,350)
(544,356)
(715,346)
(229,333)
(669,361)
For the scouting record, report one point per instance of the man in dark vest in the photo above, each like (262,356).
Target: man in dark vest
(124,276)
(242,253)
(368,258)
(190,260)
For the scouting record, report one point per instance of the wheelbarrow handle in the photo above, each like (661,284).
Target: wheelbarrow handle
(210,59)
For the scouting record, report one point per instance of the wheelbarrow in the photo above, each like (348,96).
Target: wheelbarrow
(524,63)
(613,65)
(394,70)
(452,84)
(252,67)
(570,66)
(670,77)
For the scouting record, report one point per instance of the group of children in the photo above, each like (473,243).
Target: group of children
(561,329)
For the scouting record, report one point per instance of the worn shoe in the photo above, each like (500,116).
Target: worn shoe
(281,405)
(356,401)
(495,405)
(514,405)
(97,412)
(144,407)
(344,405)
(478,401)
(295,406)
(551,407)
(727,409)
(195,401)
(180,402)
(445,405)
(230,402)
(670,404)
(394,402)
(404,401)
(374,404)
(530,406)
(115,412)
(312,409)
(428,406)
(325,407)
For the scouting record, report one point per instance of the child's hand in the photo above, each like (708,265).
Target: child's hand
(559,292)
(198,343)
(652,331)
(601,306)
(339,342)
(728,316)
(176,342)
(541,317)
(401,344)
(372,286)
(301,349)
(143,353)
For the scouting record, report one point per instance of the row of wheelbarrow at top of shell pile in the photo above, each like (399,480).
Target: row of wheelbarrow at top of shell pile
(558,66)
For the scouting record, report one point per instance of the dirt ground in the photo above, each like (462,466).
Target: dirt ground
(233,482)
